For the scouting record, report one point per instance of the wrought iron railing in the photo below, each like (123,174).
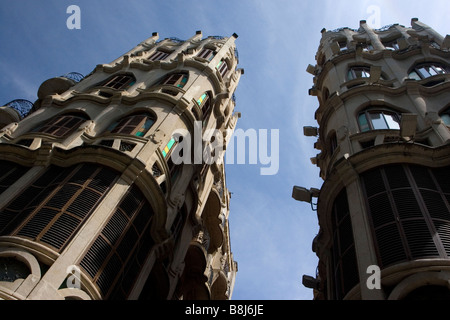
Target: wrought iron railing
(75,76)
(22,106)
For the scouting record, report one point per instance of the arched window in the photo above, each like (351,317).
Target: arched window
(136,124)
(176,79)
(62,125)
(425,70)
(119,81)
(373,119)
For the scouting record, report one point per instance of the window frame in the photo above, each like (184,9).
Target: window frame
(158,55)
(391,45)
(370,126)
(352,75)
(57,125)
(222,67)
(178,79)
(143,123)
(207,54)
(204,103)
(120,81)
(433,65)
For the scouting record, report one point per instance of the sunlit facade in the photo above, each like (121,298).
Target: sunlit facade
(384,140)
(93,204)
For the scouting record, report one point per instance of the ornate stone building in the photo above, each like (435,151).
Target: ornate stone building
(94,200)
(384,139)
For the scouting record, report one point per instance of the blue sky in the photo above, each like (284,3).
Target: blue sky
(271,234)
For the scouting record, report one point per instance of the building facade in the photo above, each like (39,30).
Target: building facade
(384,139)
(112,184)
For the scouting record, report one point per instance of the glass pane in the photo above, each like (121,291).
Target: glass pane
(378,121)
(363,122)
(392,121)
(350,75)
(424,72)
(183,81)
(414,75)
(439,69)
(431,71)
(359,72)
(201,99)
(446,118)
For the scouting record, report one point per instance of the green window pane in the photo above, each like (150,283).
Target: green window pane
(363,124)
(446,118)
(200,100)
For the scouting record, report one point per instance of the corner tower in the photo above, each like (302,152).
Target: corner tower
(103,194)
(384,140)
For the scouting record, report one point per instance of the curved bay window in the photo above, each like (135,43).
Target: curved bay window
(62,125)
(53,207)
(426,70)
(137,124)
(409,211)
(116,258)
(344,265)
(378,120)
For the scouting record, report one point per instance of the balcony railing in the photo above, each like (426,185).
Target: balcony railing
(75,76)
(22,106)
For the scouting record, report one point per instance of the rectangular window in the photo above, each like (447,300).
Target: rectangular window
(358,72)
(158,56)
(207,54)
(120,82)
(223,68)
